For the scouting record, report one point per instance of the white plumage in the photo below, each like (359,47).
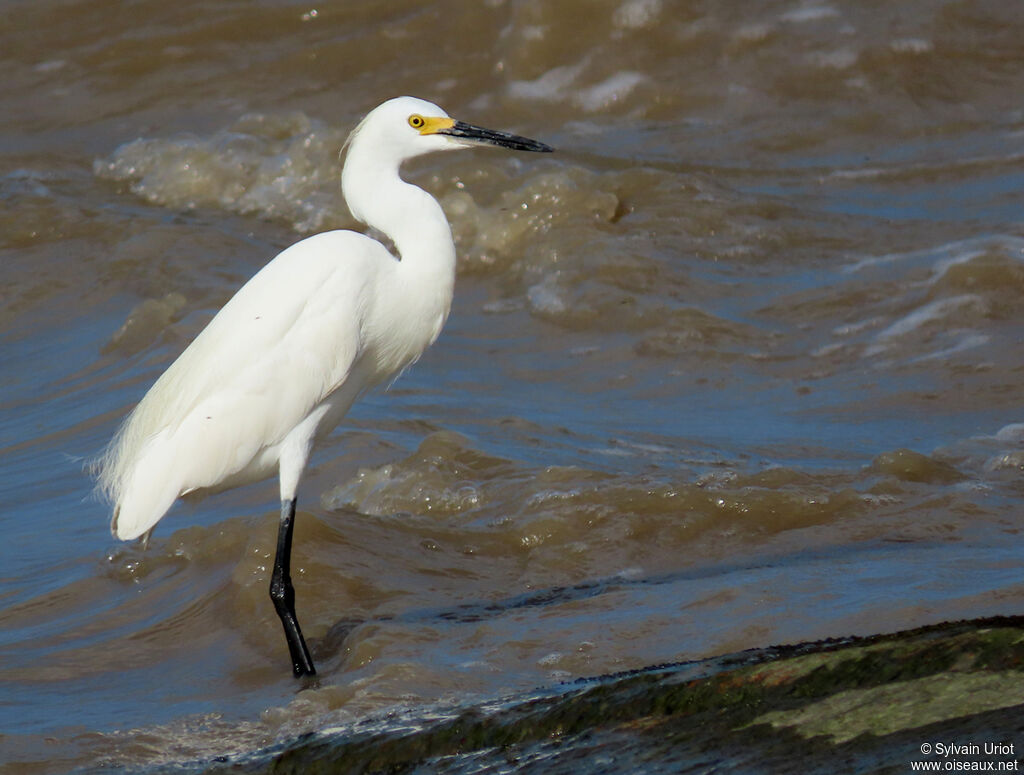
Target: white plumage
(281,363)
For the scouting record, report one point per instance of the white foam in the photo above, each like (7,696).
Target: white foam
(546,297)
(635,14)
(552,85)
(945,255)
(1012,433)
(968,341)
(609,91)
(936,310)
(911,45)
(282,166)
(809,13)
(559,85)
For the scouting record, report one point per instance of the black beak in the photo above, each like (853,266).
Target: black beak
(478,134)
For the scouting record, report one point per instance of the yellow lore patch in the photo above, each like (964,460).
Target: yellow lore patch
(427,125)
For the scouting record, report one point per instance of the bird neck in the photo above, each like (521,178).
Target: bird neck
(409,216)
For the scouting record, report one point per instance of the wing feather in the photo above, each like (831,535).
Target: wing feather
(274,352)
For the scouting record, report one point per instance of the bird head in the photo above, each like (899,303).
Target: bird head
(406,127)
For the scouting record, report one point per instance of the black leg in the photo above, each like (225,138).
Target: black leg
(283,594)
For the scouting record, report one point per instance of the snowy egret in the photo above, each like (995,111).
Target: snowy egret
(280,364)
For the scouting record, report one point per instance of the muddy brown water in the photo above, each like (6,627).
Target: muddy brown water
(739,365)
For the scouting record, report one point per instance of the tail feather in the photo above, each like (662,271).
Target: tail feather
(140,487)
(147,490)
(140,509)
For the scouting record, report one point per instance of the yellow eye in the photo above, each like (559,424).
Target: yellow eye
(416,121)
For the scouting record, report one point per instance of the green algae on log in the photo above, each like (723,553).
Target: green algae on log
(851,705)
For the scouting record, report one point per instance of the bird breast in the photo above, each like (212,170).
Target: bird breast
(406,318)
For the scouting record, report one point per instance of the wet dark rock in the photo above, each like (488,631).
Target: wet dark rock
(851,705)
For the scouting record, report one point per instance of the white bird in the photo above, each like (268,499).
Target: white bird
(281,363)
